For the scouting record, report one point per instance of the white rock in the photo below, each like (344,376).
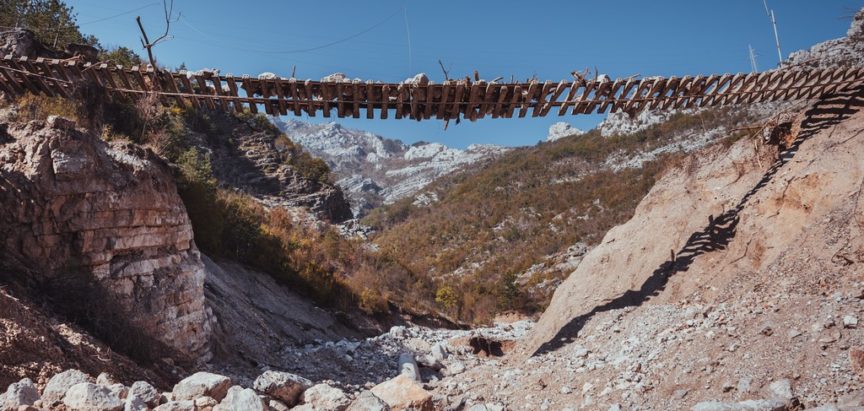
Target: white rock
(202,384)
(850,321)
(267,76)
(562,129)
(367,401)
(241,399)
(455,367)
(135,403)
(146,392)
(283,386)
(60,383)
(23,392)
(185,405)
(91,397)
(323,397)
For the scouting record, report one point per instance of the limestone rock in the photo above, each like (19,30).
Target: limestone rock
(322,397)
(185,405)
(91,397)
(241,399)
(135,403)
(20,393)
(402,393)
(60,383)
(110,213)
(283,386)
(367,401)
(146,392)
(201,384)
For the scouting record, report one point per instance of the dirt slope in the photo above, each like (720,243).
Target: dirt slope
(734,222)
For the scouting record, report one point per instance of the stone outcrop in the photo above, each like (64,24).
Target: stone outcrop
(256,162)
(102,222)
(202,384)
(283,386)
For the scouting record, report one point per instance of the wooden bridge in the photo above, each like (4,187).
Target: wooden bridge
(452,99)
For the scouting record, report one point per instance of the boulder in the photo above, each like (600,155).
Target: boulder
(60,383)
(204,402)
(402,393)
(135,403)
(202,384)
(283,386)
(322,397)
(91,397)
(241,399)
(20,393)
(367,401)
(146,392)
(276,405)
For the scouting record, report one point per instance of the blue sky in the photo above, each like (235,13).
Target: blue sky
(548,39)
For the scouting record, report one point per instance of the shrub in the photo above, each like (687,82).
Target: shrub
(37,107)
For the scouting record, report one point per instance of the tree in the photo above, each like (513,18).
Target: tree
(52,20)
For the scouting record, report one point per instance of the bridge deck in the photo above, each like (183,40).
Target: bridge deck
(452,99)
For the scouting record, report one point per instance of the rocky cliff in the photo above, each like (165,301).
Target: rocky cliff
(251,157)
(99,228)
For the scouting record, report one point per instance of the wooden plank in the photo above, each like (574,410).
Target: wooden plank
(488,99)
(385,101)
(400,99)
(580,105)
(541,98)
(25,79)
(514,101)
(473,101)
(231,81)
(624,98)
(311,106)
(498,110)
(442,112)
(370,100)
(250,94)
(187,85)
(295,105)
(217,89)
(55,84)
(172,87)
(327,96)
(562,85)
(356,95)
(414,95)
(202,86)
(340,100)
(604,96)
(527,98)
(635,103)
(568,101)
(429,102)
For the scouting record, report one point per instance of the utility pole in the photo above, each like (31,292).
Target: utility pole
(776,36)
(753,66)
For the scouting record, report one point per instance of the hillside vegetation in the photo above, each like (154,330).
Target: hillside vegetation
(494,222)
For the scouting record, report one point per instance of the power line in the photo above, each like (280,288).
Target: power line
(408,33)
(120,14)
(303,50)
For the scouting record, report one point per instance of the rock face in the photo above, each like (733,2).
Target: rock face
(714,219)
(374,170)
(254,162)
(105,220)
(844,51)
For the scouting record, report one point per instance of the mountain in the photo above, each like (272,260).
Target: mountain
(373,170)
